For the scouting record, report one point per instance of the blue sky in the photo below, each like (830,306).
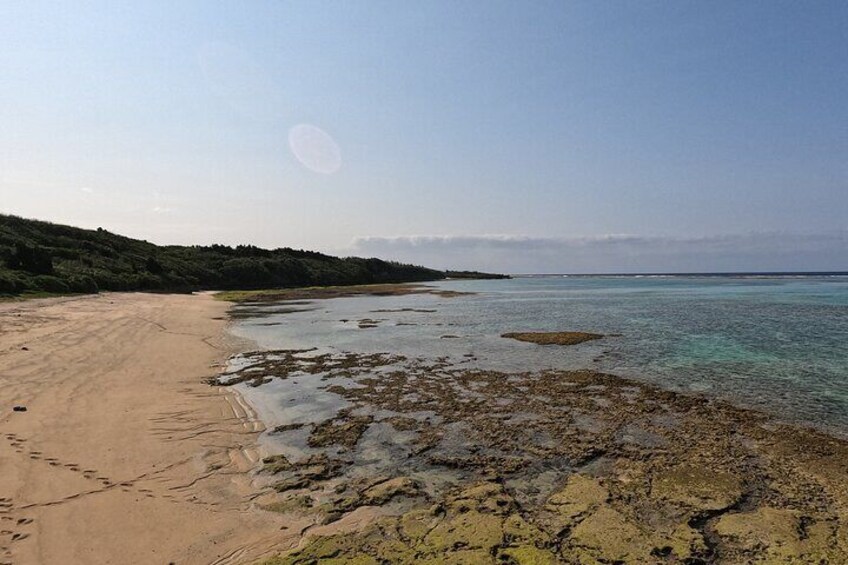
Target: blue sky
(436,131)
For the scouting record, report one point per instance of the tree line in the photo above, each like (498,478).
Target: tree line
(37,256)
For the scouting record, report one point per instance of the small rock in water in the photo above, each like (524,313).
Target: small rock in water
(19,409)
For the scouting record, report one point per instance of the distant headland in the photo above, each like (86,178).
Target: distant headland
(38,257)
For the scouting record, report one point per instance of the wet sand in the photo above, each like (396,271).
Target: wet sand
(124,454)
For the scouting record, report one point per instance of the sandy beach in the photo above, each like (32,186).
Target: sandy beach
(124,454)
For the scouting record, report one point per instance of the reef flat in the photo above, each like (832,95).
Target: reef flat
(323,292)
(552,338)
(462,465)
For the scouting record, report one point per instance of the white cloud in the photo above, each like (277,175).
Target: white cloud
(616,252)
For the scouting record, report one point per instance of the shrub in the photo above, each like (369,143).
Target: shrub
(83,284)
(11,284)
(33,259)
(48,283)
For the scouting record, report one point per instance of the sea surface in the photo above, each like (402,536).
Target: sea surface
(775,343)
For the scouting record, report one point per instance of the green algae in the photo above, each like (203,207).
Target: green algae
(528,555)
(606,536)
(773,535)
(542,486)
(344,431)
(697,486)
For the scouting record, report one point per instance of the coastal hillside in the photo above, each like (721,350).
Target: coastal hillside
(38,256)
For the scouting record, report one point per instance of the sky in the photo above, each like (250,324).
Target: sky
(536,136)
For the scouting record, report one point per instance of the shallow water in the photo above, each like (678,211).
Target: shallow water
(777,344)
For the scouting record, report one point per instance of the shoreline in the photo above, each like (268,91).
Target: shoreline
(469,465)
(124,453)
(127,454)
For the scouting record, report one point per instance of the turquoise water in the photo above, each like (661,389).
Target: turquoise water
(777,344)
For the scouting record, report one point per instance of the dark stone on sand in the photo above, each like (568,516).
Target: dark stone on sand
(20,409)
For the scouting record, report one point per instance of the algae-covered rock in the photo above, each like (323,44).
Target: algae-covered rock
(517,530)
(415,524)
(581,494)
(335,549)
(471,529)
(606,536)
(386,490)
(553,338)
(344,431)
(697,487)
(682,542)
(370,493)
(528,555)
(487,497)
(490,447)
(295,504)
(775,535)
(276,464)
(460,557)
(306,473)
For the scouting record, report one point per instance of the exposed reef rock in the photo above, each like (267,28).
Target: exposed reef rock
(286,295)
(478,466)
(553,338)
(344,430)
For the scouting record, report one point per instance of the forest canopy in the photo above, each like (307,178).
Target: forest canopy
(37,256)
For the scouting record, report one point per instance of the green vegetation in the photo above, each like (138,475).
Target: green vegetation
(40,257)
(474,275)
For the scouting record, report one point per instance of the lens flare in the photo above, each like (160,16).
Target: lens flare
(315,149)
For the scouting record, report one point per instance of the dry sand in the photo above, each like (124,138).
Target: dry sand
(124,454)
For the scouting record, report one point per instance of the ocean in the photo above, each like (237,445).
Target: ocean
(776,343)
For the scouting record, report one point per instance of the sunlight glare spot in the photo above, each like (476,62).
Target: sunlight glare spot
(315,149)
